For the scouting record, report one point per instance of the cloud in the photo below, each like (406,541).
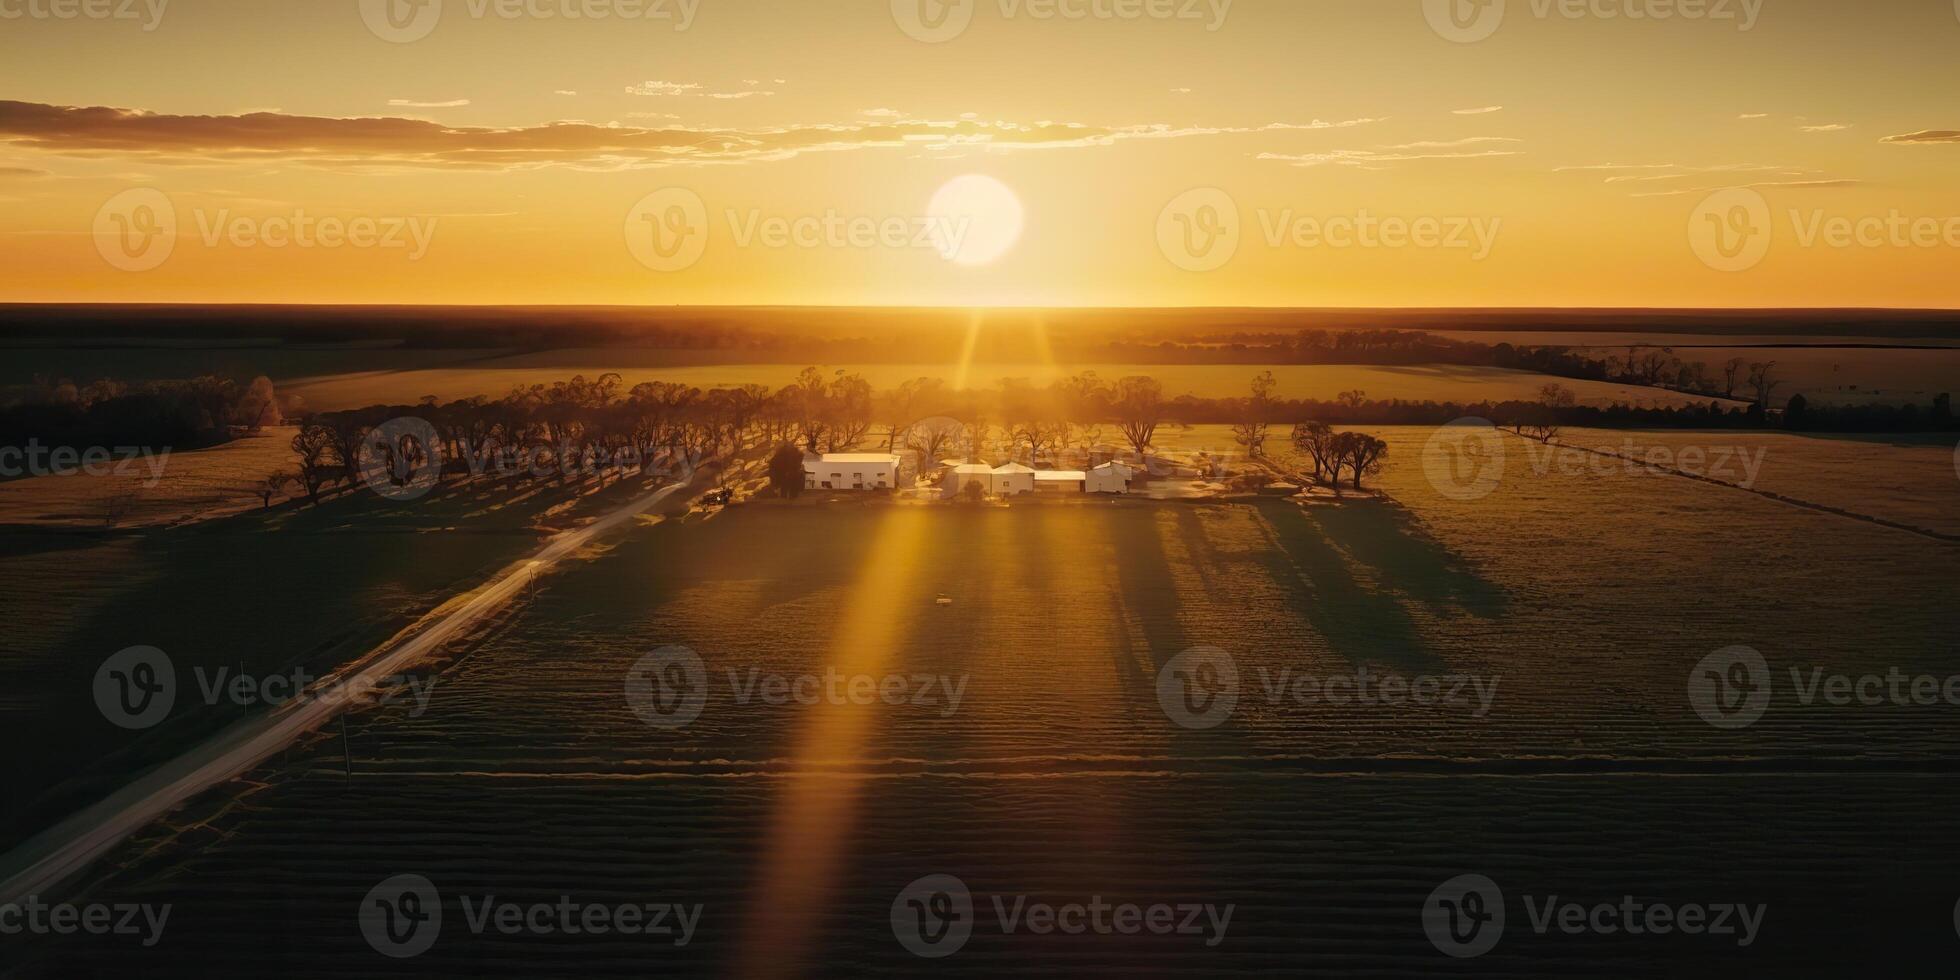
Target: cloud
(1825,128)
(881,113)
(1180,91)
(20,173)
(100,131)
(694,90)
(1478,111)
(1926,136)
(1450,144)
(412,104)
(564,91)
(1373,159)
(1754,115)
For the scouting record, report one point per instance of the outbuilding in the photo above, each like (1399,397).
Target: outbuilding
(850,471)
(1060,481)
(958,478)
(1013,479)
(1110,477)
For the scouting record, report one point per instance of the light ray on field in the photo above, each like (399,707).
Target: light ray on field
(815,815)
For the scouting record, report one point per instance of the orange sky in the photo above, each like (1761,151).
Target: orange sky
(1255,152)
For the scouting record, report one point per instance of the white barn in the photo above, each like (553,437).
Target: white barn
(850,471)
(1111,477)
(958,478)
(1060,481)
(1013,479)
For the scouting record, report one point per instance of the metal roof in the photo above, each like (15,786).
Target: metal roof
(859,459)
(1060,476)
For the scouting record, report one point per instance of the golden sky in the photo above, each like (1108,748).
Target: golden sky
(1119,152)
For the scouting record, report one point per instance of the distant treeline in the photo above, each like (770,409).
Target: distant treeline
(151,415)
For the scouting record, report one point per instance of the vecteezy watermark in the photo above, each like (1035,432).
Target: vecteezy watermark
(407,21)
(1737,465)
(1733,688)
(938,21)
(1464,917)
(1200,230)
(35,459)
(402,917)
(148,13)
(1200,689)
(669,230)
(1464,460)
(37,918)
(136,688)
(669,688)
(934,917)
(1733,230)
(139,229)
(1470,21)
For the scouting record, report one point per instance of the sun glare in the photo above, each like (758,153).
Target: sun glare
(976,219)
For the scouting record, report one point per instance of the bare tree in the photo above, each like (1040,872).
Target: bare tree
(270,486)
(1315,440)
(1139,407)
(1730,370)
(1762,377)
(1361,452)
(313,444)
(1255,418)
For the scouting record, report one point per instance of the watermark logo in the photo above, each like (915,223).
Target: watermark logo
(933,916)
(1464,460)
(401,21)
(148,12)
(667,231)
(1464,916)
(1199,230)
(668,688)
(407,21)
(38,459)
(936,21)
(136,230)
(135,688)
(1199,688)
(401,459)
(1730,230)
(1730,688)
(34,917)
(402,917)
(1464,21)
(1470,21)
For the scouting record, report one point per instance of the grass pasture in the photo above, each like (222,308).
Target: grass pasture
(1583,601)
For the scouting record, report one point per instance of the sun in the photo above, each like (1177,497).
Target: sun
(976,219)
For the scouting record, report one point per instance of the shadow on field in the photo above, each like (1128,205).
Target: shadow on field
(1360,623)
(1386,538)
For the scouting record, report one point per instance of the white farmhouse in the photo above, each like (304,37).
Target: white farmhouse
(850,471)
(1110,477)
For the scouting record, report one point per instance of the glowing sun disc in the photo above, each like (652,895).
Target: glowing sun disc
(976,219)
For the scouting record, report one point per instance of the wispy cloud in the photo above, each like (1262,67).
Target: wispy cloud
(1481,110)
(1754,115)
(1825,128)
(100,131)
(694,90)
(412,104)
(1926,136)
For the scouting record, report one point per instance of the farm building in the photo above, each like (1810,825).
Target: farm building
(1111,477)
(1059,481)
(1013,479)
(850,471)
(959,477)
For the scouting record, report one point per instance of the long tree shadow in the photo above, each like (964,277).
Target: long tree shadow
(1360,623)
(1386,537)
